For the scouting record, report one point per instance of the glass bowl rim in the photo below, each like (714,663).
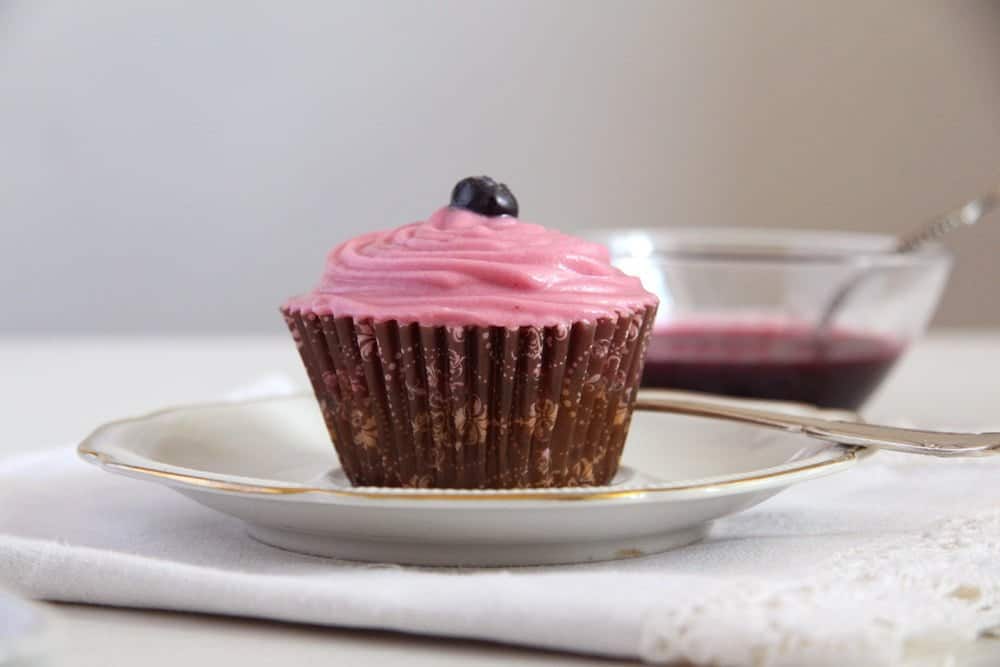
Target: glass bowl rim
(762,245)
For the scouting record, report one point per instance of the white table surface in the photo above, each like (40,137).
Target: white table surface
(54,391)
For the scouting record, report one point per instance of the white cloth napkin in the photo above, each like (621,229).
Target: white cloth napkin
(896,558)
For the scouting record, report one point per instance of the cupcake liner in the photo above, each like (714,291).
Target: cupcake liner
(474,407)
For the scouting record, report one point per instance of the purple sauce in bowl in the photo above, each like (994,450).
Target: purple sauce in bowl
(840,370)
(739,307)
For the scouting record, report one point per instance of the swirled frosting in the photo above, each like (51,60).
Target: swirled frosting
(460,268)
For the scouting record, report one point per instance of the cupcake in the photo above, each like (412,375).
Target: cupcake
(474,350)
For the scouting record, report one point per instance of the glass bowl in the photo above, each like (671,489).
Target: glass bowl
(740,309)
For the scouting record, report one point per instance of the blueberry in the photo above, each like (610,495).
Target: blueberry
(483,195)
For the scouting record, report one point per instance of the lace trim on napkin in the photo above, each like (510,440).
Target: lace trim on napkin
(878,604)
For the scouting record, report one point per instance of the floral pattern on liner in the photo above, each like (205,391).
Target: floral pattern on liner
(475,407)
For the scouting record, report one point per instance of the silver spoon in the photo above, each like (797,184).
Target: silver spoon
(909,440)
(969,214)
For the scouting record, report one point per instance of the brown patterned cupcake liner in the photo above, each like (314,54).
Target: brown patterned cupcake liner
(474,407)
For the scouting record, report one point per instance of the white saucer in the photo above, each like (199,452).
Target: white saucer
(270,463)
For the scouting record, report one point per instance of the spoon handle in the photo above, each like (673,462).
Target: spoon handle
(911,441)
(968,214)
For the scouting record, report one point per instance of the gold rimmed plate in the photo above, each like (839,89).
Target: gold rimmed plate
(269,463)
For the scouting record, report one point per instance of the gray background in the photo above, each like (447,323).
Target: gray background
(183,166)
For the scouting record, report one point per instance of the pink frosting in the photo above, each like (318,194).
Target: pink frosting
(460,268)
